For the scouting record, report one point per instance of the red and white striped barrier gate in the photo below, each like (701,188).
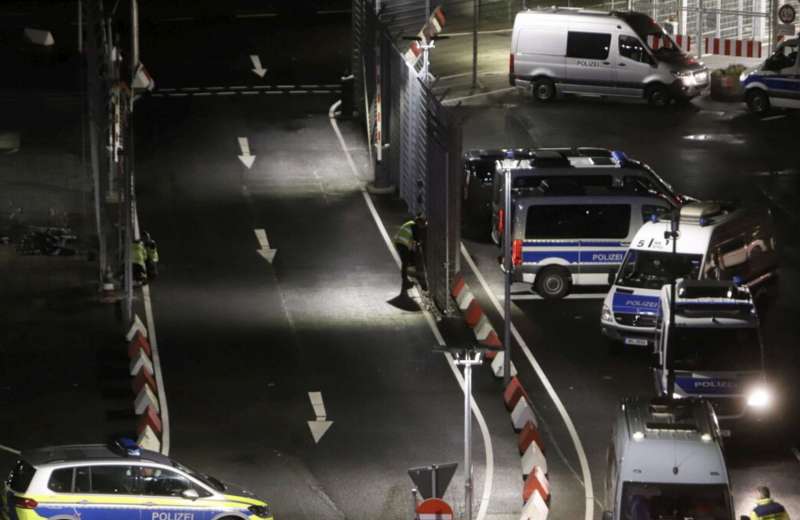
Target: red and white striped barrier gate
(731,47)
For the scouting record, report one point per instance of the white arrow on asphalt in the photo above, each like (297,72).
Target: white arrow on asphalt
(264,250)
(245,157)
(257,68)
(319,426)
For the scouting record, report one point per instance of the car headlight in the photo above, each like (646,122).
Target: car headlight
(262,511)
(606,315)
(743,76)
(759,397)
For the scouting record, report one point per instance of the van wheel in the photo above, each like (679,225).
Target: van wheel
(553,283)
(657,95)
(757,101)
(544,90)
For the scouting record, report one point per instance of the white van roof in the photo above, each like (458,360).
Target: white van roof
(670,441)
(692,239)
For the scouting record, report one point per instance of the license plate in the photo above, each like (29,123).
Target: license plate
(636,341)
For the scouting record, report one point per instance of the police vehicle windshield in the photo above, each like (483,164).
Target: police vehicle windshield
(202,477)
(651,501)
(718,348)
(647,29)
(653,269)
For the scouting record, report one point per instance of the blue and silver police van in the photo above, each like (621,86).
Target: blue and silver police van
(119,481)
(562,241)
(715,241)
(776,82)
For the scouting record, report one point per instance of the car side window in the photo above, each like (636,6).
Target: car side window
(154,481)
(112,480)
(586,45)
(648,211)
(632,48)
(61,480)
(83,480)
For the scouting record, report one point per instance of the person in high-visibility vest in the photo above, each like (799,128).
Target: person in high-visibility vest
(766,508)
(406,241)
(151,259)
(139,261)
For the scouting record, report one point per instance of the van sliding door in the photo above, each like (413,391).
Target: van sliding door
(588,65)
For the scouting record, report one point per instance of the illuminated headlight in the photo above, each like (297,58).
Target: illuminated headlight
(759,398)
(606,315)
(261,511)
(743,76)
(686,77)
(677,396)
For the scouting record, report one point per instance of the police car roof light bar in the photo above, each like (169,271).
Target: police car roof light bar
(128,447)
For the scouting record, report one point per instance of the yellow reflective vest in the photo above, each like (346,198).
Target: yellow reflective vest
(138,254)
(405,235)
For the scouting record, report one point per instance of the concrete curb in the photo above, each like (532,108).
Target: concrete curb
(145,389)
(533,462)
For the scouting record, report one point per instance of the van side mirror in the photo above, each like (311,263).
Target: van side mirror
(190,494)
(608,515)
(655,360)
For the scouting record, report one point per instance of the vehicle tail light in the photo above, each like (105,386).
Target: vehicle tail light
(511,63)
(516,253)
(501,221)
(25,503)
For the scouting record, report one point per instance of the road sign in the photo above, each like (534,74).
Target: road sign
(434,509)
(786,13)
(432,481)
(785,29)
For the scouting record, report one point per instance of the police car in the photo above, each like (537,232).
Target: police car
(714,348)
(119,481)
(776,82)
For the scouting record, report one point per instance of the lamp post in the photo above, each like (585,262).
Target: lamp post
(672,235)
(507,269)
(468,358)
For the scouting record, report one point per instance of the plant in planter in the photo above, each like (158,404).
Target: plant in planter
(725,83)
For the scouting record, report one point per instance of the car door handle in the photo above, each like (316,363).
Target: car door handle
(621,64)
(606,63)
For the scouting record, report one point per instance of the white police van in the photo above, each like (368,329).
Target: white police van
(713,349)
(665,461)
(120,481)
(561,241)
(581,171)
(577,51)
(776,82)
(715,241)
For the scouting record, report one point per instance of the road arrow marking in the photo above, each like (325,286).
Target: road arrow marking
(321,425)
(264,250)
(245,157)
(257,68)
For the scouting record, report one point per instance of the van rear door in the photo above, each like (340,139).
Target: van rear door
(588,66)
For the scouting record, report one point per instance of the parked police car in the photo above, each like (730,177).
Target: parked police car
(776,82)
(119,482)
(577,51)
(665,461)
(714,348)
(715,241)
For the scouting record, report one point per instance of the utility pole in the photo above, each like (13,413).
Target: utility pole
(475,15)
(672,234)
(469,359)
(507,269)
(129,203)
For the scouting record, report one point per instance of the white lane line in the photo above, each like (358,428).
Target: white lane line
(167,89)
(203,93)
(215,88)
(297,92)
(318,404)
(332,85)
(796,453)
(238,87)
(151,336)
(272,92)
(321,91)
(469,33)
(465,74)
(226,93)
(191,89)
(476,411)
(773,118)
(250,92)
(285,86)
(452,101)
(177,94)
(10,450)
(567,297)
(587,476)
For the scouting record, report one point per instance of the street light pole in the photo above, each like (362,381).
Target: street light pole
(507,268)
(672,234)
(470,358)
(475,14)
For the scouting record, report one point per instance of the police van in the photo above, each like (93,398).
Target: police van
(776,82)
(120,481)
(560,241)
(714,348)
(577,51)
(665,461)
(575,172)
(715,241)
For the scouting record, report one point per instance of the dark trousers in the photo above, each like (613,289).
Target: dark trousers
(406,261)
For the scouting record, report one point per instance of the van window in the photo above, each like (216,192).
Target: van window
(541,40)
(606,221)
(590,46)
(113,480)
(61,480)
(632,48)
(660,212)
(163,482)
(554,221)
